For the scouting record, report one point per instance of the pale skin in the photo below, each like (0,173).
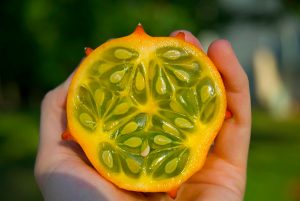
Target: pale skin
(63,172)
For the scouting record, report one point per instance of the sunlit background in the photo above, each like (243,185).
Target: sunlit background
(42,42)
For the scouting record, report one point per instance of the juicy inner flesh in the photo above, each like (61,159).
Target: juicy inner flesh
(147,112)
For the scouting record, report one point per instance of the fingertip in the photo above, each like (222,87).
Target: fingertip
(189,37)
(219,47)
(224,58)
(220,43)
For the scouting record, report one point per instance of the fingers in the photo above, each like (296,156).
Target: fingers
(232,142)
(234,78)
(52,124)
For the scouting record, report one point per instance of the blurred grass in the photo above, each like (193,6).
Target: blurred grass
(274,159)
(273,166)
(18,146)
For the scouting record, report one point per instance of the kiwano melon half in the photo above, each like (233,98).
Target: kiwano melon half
(145,110)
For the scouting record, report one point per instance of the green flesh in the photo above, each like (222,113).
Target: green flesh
(141,142)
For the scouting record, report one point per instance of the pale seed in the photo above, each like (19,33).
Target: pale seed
(139,81)
(170,129)
(123,54)
(161,86)
(171,166)
(86,120)
(162,140)
(172,54)
(183,123)
(99,96)
(209,109)
(133,142)
(206,92)
(156,161)
(132,165)
(108,159)
(130,127)
(122,108)
(146,151)
(175,107)
(117,76)
(182,75)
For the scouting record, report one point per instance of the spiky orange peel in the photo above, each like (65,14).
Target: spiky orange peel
(146,110)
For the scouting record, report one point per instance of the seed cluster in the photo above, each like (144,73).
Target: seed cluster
(148,111)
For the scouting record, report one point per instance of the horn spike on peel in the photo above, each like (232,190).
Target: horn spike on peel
(228,114)
(173,193)
(139,30)
(180,35)
(88,50)
(67,135)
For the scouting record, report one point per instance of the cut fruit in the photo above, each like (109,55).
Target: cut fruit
(146,110)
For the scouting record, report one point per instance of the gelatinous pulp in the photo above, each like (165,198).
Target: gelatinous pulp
(147,112)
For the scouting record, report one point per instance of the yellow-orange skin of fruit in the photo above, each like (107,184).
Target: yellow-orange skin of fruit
(199,147)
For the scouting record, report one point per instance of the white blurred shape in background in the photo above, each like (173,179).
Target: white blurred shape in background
(265,38)
(270,90)
(249,7)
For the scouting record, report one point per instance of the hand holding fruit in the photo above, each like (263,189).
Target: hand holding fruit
(61,168)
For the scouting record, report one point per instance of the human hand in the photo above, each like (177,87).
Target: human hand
(63,172)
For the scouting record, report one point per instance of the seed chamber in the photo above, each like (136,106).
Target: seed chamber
(147,111)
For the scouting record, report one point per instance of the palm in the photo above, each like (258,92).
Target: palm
(216,176)
(75,175)
(64,173)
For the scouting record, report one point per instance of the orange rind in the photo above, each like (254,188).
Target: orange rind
(145,110)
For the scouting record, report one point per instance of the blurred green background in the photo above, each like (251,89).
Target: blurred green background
(43,41)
